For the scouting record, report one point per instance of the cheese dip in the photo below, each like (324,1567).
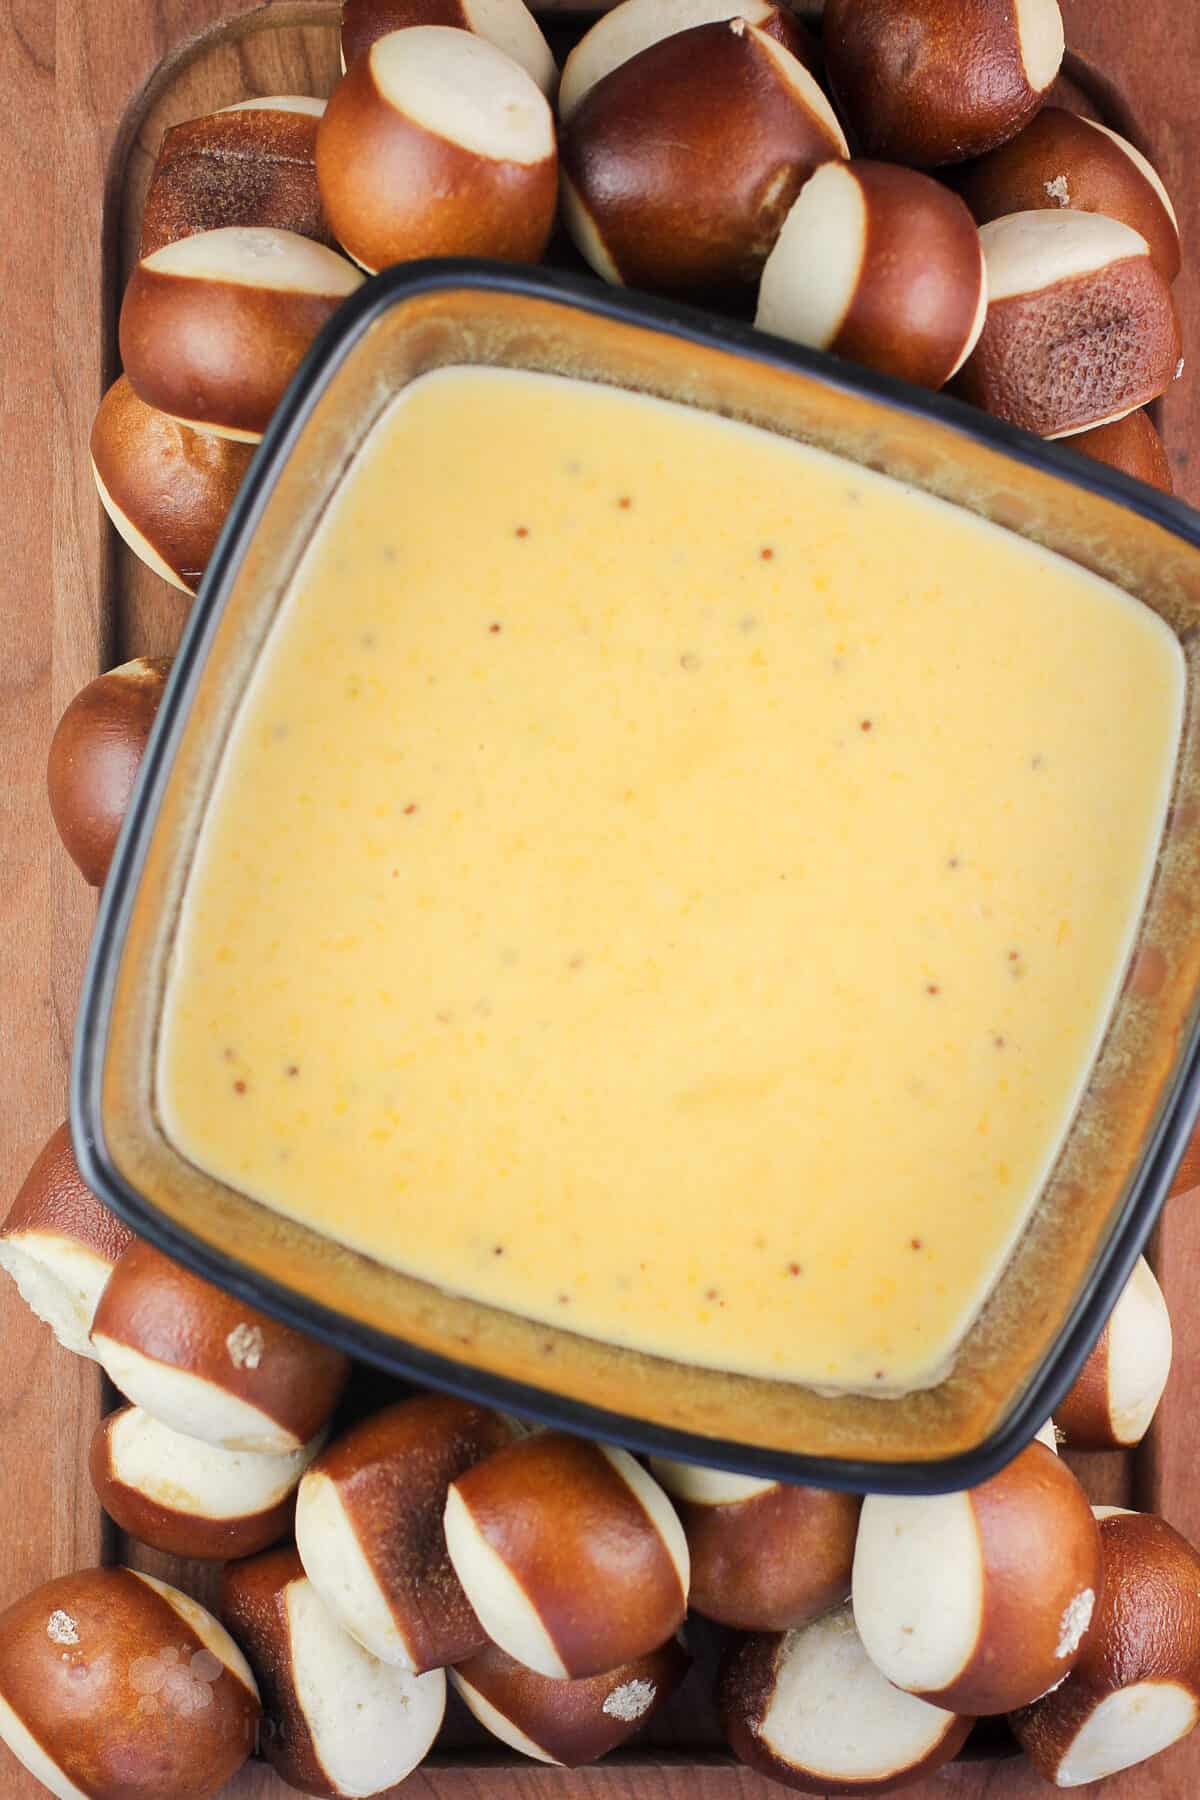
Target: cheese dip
(668,881)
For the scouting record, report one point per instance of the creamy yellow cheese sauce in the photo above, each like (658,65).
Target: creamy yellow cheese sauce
(668,881)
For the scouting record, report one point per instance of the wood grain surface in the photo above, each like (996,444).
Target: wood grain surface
(88,88)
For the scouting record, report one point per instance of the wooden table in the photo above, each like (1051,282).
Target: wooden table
(87,89)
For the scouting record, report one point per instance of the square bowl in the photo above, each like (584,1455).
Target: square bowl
(1099,1204)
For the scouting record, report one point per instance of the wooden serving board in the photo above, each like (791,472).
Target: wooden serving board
(87,90)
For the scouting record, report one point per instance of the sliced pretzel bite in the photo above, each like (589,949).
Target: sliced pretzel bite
(436,143)
(568,1722)
(338,1722)
(1116,1394)
(508,24)
(1132,445)
(1135,1689)
(681,164)
(570,1553)
(1081,327)
(115,1686)
(253,163)
(926,82)
(1063,159)
(809,1709)
(165,487)
(972,1599)
(633,26)
(369,1528)
(95,755)
(214,326)
(765,1555)
(881,265)
(60,1244)
(209,1366)
(189,1498)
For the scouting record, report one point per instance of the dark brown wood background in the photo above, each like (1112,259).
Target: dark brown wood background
(87,89)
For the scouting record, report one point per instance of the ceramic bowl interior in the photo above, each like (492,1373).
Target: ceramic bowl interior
(1100,1201)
